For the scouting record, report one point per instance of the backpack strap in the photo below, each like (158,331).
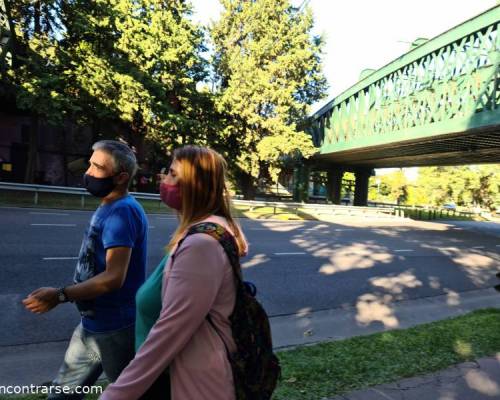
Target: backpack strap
(225,239)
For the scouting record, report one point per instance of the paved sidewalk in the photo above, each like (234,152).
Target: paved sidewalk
(373,315)
(478,380)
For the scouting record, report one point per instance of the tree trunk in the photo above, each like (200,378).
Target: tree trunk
(37,17)
(246,182)
(96,126)
(33,151)
(64,149)
(12,34)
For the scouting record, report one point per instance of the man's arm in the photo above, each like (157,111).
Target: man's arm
(112,278)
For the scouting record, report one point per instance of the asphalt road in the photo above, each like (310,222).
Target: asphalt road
(297,266)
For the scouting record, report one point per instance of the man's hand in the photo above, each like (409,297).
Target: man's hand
(41,300)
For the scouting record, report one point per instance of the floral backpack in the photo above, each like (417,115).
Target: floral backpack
(255,367)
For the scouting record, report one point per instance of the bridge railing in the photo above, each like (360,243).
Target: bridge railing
(452,77)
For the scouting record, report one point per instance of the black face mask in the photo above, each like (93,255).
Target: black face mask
(98,187)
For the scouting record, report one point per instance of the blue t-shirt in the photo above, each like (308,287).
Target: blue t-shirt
(122,223)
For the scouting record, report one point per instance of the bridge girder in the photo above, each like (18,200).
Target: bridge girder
(438,104)
(480,146)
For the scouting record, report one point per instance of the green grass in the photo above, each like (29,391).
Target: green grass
(328,369)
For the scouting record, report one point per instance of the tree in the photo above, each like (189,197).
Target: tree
(123,67)
(36,77)
(392,187)
(464,185)
(137,62)
(268,71)
(5,34)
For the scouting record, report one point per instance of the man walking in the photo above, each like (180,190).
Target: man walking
(111,267)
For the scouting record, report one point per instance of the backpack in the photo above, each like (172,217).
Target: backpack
(255,367)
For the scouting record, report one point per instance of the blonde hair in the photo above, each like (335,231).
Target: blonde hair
(202,181)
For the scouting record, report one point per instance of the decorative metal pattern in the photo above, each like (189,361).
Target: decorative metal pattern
(447,85)
(4,33)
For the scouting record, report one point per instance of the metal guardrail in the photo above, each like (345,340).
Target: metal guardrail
(82,192)
(419,212)
(316,209)
(433,213)
(295,208)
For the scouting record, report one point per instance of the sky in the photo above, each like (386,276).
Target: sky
(363,34)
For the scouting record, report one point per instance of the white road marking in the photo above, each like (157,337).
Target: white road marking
(271,229)
(402,250)
(478,247)
(152,227)
(53,224)
(59,258)
(289,254)
(166,218)
(48,213)
(298,229)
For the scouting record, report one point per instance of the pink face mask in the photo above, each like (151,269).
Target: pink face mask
(171,195)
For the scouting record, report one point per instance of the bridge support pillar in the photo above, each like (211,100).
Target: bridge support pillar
(334,185)
(361,186)
(301,183)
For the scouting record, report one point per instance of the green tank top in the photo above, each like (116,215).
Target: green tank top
(148,304)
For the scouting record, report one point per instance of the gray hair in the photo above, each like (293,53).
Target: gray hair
(123,157)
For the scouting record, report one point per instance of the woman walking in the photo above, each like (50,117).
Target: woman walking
(192,334)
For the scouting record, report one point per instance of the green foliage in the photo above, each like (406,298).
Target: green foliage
(470,185)
(134,63)
(139,62)
(392,188)
(37,73)
(268,72)
(136,66)
(463,185)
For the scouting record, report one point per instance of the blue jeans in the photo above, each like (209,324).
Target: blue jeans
(88,355)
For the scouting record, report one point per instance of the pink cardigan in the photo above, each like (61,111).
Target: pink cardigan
(199,282)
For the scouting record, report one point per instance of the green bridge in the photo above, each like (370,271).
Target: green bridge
(438,104)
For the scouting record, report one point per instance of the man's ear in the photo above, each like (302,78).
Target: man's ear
(122,178)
